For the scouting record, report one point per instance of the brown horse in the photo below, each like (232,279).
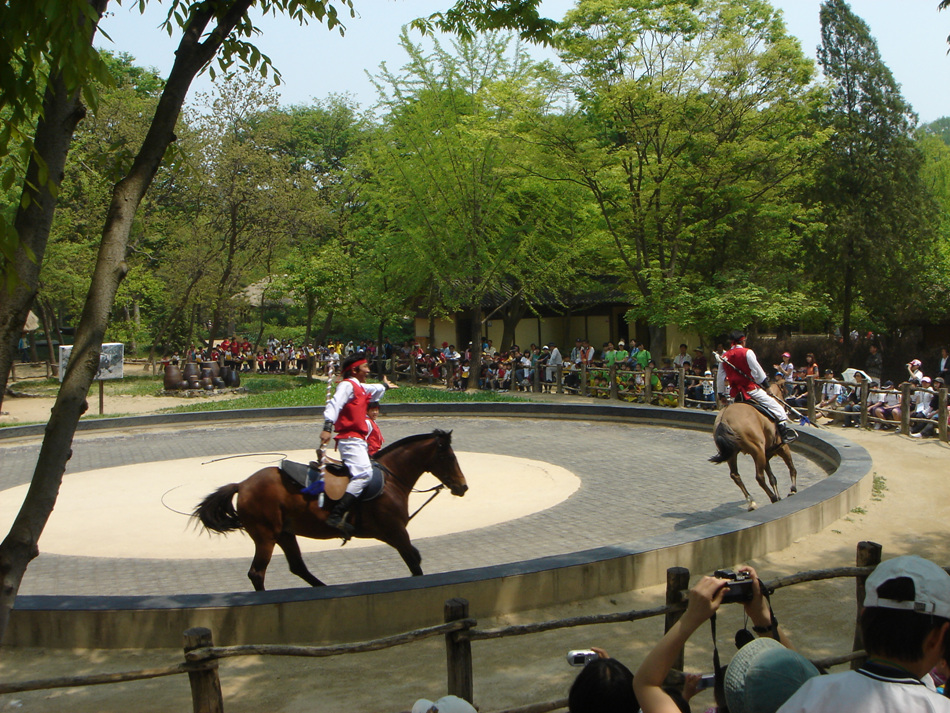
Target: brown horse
(741,428)
(272,511)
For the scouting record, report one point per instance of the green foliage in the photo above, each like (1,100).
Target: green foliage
(694,137)
(880,218)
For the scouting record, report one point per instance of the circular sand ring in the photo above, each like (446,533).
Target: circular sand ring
(644,487)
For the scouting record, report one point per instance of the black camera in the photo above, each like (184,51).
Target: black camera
(739,588)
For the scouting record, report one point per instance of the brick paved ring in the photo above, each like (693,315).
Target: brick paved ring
(649,499)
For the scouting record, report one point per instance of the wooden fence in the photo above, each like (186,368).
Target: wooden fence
(201,656)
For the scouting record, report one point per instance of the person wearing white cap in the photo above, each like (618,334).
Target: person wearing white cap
(913,368)
(446,704)
(904,622)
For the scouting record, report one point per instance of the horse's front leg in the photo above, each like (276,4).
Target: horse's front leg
(737,479)
(288,543)
(772,480)
(410,555)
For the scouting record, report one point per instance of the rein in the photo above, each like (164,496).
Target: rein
(438,489)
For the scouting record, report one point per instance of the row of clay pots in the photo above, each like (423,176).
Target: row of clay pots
(209,376)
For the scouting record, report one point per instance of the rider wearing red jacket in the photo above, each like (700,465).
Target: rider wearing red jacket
(745,376)
(346,412)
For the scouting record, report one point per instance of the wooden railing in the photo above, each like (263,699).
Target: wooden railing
(460,630)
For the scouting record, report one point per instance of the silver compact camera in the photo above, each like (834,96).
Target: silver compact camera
(581,657)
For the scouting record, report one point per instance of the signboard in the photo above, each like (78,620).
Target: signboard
(110,361)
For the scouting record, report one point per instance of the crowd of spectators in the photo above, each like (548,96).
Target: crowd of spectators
(905,627)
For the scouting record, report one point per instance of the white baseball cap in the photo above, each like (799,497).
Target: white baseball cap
(446,704)
(931,586)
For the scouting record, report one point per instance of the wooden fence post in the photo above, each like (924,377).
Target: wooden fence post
(810,390)
(942,414)
(584,372)
(205,684)
(614,391)
(906,408)
(648,385)
(677,581)
(864,393)
(560,378)
(458,652)
(681,389)
(869,555)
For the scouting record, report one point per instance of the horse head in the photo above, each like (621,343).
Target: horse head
(445,465)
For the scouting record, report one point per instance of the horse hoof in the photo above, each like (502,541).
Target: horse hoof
(753,506)
(792,492)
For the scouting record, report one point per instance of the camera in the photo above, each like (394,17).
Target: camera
(740,585)
(581,657)
(707,680)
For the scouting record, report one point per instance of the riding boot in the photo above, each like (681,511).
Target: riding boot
(338,514)
(787,434)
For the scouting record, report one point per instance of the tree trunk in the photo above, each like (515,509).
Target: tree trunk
(325,329)
(21,544)
(62,111)
(475,362)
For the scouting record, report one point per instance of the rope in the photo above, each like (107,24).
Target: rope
(438,489)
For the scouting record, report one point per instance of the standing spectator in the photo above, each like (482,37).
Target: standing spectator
(853,400)
(554,361)
(621,354)
(943,365)
(699,360)
(683,359)
(786,368)
(811,366)
(904,623)
(874,366)
(643,356)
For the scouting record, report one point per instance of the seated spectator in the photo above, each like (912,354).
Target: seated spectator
(668,397)
(704,599)
(904,623)
(832,396)
(928,410)
(887,402)
(786,367)
(853,403)
(796,392)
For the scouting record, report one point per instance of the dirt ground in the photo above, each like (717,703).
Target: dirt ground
(906,516)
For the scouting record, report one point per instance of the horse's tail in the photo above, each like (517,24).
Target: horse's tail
(726,442)
(216,512)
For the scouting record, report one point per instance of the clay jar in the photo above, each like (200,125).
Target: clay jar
(172,381)
(191,370)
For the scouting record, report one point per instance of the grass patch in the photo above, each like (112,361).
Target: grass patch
(879,487)
(859,511)
(281,392)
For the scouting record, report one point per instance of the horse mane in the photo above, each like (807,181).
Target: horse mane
(437,433)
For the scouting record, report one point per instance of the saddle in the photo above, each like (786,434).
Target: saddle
(335,476)
(741,399)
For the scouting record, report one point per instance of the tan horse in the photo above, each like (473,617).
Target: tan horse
(741,428)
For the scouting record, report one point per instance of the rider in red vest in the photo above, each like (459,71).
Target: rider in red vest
(746,377)
(346,412)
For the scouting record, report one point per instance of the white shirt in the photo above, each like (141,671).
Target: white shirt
(344,392)
(856,691)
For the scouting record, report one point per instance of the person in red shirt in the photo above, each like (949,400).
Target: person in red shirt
(374,439)
(741,369)
(346,412)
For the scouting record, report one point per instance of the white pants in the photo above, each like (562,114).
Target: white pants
(355,454)
(765,399)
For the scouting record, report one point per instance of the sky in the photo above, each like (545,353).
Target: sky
(315,62)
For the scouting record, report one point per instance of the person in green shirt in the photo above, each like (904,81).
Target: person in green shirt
(620,353)
(643,357)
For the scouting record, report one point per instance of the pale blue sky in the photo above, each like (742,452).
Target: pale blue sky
(911,35)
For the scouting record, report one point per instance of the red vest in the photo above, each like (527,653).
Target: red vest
(375,439)
(738,373)
(351,423)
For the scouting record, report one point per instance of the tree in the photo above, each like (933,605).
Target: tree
(470,221)
(213,28)
(873,203)
(695,132)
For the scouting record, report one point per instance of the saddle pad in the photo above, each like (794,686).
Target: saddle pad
(306,474)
